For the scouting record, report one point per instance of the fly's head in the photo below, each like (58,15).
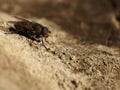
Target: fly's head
(45,32)
(41,31)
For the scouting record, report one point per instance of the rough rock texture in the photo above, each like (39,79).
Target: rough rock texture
(69,65)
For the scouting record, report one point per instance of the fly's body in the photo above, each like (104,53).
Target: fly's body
(29,29)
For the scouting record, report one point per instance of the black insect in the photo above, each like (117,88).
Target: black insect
(30,29)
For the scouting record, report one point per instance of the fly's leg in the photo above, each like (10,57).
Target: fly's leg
(47,41)
(44,45)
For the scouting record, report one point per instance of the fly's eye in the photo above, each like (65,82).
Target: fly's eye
(45,31)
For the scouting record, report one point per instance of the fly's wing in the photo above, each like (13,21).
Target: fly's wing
(22,18)
(23,23)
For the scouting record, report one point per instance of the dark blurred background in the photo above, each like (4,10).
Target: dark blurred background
(92,21)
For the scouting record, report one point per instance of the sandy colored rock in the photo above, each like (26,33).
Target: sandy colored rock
(26,65)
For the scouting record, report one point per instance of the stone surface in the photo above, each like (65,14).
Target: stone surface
(69,65)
